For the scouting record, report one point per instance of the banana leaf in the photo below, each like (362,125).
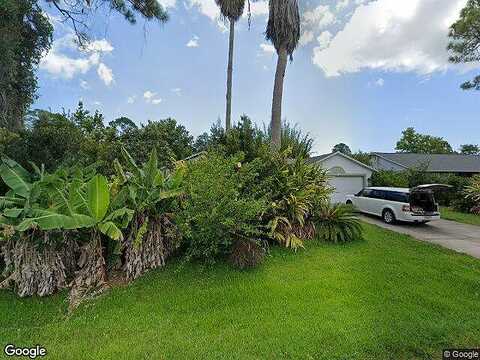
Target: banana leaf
(51,220)
(16,179)
(98,197)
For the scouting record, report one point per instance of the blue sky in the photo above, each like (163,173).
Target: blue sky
(365,71)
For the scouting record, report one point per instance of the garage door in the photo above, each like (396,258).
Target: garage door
(345,185)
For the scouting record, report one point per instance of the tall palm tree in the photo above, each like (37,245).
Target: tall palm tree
(231,10)
(283,30)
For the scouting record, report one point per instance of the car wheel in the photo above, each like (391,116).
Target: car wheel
(388,216)
(349,202)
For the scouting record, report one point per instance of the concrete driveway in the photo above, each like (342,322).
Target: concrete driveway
(460,237)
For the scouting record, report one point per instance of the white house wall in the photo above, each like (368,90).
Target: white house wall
(350,167)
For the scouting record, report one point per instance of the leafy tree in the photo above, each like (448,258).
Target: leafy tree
(171,140)
(77,12)
(26,36)
(283,30)
(231,10)
(123,124)
(413,142)
(201,142)
(470,149)
(343,148)
(465,40)
(363,157)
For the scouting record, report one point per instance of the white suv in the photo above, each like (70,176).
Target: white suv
(399,204)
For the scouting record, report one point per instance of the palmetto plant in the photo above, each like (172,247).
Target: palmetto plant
(472,192)
(283,30)
(148,190)
(337,224)
(303,190)
(231,10)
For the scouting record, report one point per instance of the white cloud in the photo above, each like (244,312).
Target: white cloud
(206,7)
(210,9)
(177,91)
(151,97)
(257,8)
(102,46)
(377,83)
(148,95)
(168,3)
(193,42)
(66,60)
(267,48)
(342,4)
(324,39)
(319,18)
(314,22)
(306,38)
(105,73)
(97,103)
(392,35)
(84,85)
(131,99)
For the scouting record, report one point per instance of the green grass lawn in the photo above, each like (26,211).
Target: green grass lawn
(388,297)
(450,214)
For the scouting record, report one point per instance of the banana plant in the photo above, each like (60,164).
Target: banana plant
(147,189)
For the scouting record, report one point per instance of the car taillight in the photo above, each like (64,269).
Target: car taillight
(406,208)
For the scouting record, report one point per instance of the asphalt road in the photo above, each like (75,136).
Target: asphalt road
(456,236)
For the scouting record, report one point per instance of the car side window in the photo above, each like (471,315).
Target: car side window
(397,197)
(378,194)
(366,193)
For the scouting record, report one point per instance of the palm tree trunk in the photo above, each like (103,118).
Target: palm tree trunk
(228,115)
(276,124)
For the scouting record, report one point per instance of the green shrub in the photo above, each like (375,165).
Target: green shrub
(215,213)
(337,224)
(390,178)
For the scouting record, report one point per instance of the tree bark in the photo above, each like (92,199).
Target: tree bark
(276,124)
(228,115)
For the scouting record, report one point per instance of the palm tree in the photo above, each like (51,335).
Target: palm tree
(283,30)
(231,10)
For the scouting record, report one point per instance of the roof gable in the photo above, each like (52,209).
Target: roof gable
(324,157)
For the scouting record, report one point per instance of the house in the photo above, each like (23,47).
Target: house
(346,175)
(457,164)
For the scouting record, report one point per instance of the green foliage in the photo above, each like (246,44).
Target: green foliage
(83,138)
(413,142)
(343,148)
(26,36)
(363,157)
(215,212)
(390,178)
(248,138)
(470,149)
(472,192)
(337,224)
(293,189)
(465,40)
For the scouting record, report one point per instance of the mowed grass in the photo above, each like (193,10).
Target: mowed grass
(450,214)
(388,297)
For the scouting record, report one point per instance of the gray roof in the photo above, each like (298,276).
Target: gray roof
(318,158)
(455,163)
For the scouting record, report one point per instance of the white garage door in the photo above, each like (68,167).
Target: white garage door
(345,185)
